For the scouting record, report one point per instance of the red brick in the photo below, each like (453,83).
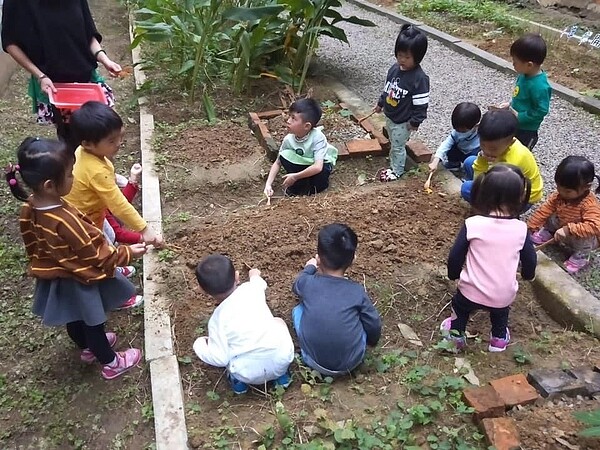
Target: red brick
(515,390)
(364,147)
(252,118)
(501,433)
(343,152)
(270,114)
(367,125)
(418,151)
(486,402)
(383,141)
(344,106)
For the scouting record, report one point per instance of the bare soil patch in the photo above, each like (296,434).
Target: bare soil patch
(405,236)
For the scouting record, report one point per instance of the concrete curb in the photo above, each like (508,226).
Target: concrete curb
(565,300)
(588,103)
(167,391)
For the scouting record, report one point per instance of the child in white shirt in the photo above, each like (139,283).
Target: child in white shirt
(243,335)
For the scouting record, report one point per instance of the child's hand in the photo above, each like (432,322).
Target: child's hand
(561,234)
(289,179)
(433,165)
(268,190)
(138,250)
(504,105)
(377,108)
(253,273)
(311,262)
(151,238)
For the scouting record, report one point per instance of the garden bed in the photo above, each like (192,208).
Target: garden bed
(405,236)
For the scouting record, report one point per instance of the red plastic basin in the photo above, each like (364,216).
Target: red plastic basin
(70,96)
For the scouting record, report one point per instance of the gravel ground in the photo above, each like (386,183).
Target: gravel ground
(362,67)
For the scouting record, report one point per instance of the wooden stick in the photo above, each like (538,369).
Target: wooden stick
(541,246)
(366,117)
(427,184)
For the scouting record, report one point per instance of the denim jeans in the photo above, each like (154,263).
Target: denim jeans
(297,312)
(399,134)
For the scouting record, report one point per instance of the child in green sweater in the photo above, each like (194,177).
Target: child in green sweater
(532,92)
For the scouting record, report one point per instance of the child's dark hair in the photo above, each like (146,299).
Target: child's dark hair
(503,188)
(410,39)
(529,47)
(497,125)
(575,172)
(39,160)
(465,116)
(309,109)
(94,121)
(336,246)
(216,274)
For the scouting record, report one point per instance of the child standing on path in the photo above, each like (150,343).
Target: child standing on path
(490,246)
(498,145)
(405,97)
(74,266)
(571,215)
(463,140)
(304,153)
(532,92)
(335,320)
(243,335)
(99,129)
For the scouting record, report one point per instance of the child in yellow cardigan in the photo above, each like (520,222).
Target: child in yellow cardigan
(99,129)
(497,131)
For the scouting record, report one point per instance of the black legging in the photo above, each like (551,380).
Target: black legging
(463,307)
(307,186)
(93,338)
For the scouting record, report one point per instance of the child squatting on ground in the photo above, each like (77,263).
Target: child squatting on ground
(335,319)
(490,246)
(304,154)
(73,265)
(532,92)
(463,140)
(498,145)
(405,97)
(243,335)
(571,215)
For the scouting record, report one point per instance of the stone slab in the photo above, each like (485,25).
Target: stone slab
(501,433)
(167,402)
(590,377)
(515,390)
(565,300)
(394,17)
(485,401)
(552,382)
(437,34)
(418,151)
(151,206)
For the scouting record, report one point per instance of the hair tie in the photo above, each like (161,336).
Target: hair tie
(12,181)
(17,167)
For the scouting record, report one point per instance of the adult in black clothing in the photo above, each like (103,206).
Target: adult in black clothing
(56,41)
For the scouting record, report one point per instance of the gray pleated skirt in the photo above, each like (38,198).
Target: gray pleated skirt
(65,300)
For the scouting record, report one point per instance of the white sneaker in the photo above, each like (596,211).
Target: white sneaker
(120,180)
(135,174)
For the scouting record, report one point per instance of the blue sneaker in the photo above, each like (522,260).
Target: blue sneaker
(239,387)
(284,380)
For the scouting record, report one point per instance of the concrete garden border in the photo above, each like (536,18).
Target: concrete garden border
(165,379)
(565,300)
(588,103)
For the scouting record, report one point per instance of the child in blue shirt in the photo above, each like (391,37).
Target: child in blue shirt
(463,140)
(335,319)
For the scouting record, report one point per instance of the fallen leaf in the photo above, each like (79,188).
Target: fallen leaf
(361,179)
(461,364)
(409,334)
(566,443)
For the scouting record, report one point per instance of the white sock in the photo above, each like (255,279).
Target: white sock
(113,363)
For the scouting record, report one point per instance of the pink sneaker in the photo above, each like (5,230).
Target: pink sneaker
(459,342)
(126,271)
(575,263)
(541,236)
(88,357)
(497,344)
(134,300)
(124,361)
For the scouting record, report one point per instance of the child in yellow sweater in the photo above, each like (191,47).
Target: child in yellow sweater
(99,129)
(497,131)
